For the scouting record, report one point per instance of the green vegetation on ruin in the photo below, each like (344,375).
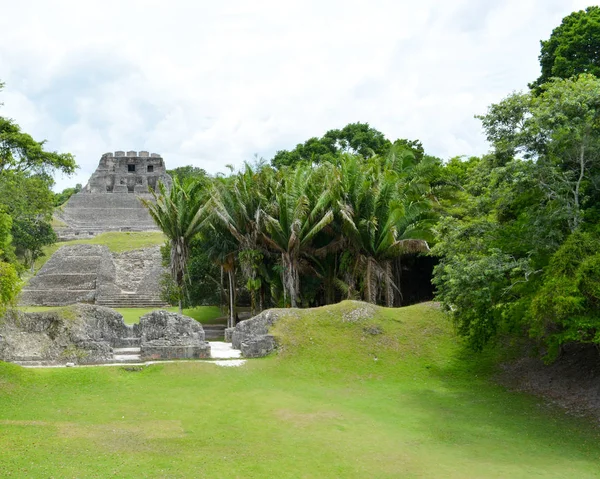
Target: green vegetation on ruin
(116,241)
(202,314)
(387,395)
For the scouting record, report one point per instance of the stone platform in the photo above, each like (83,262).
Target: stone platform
(93,274)
(88,214)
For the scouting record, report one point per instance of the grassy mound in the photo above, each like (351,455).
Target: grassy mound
(355,391)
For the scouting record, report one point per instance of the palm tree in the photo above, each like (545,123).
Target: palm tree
(297,214)
(379,222)
(237,205)
(180,213)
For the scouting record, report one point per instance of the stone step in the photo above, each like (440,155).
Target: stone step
(103,301)
(133,305)
(211,335)
(126,358)
(129,343)
(116,300)
(126,351)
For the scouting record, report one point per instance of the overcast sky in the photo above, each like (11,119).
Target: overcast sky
(214,83)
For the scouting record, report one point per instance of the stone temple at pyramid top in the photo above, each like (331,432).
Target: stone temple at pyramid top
(111,199)
(128,172)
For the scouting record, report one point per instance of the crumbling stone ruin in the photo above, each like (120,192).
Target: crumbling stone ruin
(252,336)
(88,334)
(93,274)
(110,200)
(130,172)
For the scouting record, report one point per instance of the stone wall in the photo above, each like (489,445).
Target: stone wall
(89,334)
(82,334)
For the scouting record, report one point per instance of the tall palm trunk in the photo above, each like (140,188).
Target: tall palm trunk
(291,280)
(370,287)
(231,319)
(389,290)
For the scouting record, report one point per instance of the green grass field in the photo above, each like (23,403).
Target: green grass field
(393,396)
(202,314)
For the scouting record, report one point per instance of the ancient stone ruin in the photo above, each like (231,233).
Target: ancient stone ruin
(87,334)
(130,172)
(93,274)
(252,336)
(111,199)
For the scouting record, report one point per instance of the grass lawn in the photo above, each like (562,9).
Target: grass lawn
(202,314)
(116,242)
(393,396)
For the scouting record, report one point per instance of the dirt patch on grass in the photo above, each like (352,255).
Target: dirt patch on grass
(571,382)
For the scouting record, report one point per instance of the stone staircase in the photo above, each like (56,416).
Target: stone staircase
(130,353)
(130,300)
(214,332)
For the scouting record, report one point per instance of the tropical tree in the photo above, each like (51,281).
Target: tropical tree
(379,218)
(19,152)
(299,211)
(573,47)
(180,213)
(238,205)
(560,130)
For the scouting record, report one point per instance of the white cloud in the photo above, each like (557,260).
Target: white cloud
(212,84)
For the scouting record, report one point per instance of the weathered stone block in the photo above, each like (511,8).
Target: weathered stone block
(120,189)
(251,335)
(144,154)
(228,334)
(166,335)
(258,347)
(119,154)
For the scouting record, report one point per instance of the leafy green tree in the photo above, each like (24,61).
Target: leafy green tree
(179,213)
(573,47)
(566,308)
(560,130)
(26,195)
(62,197)
(26,170)
(355,138)
(19,152)
(498,258)
(30,235)
(10,283)
(184,173)
(10,286)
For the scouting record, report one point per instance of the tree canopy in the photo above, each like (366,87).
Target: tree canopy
(26,201)
(573,47)
(355,138)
